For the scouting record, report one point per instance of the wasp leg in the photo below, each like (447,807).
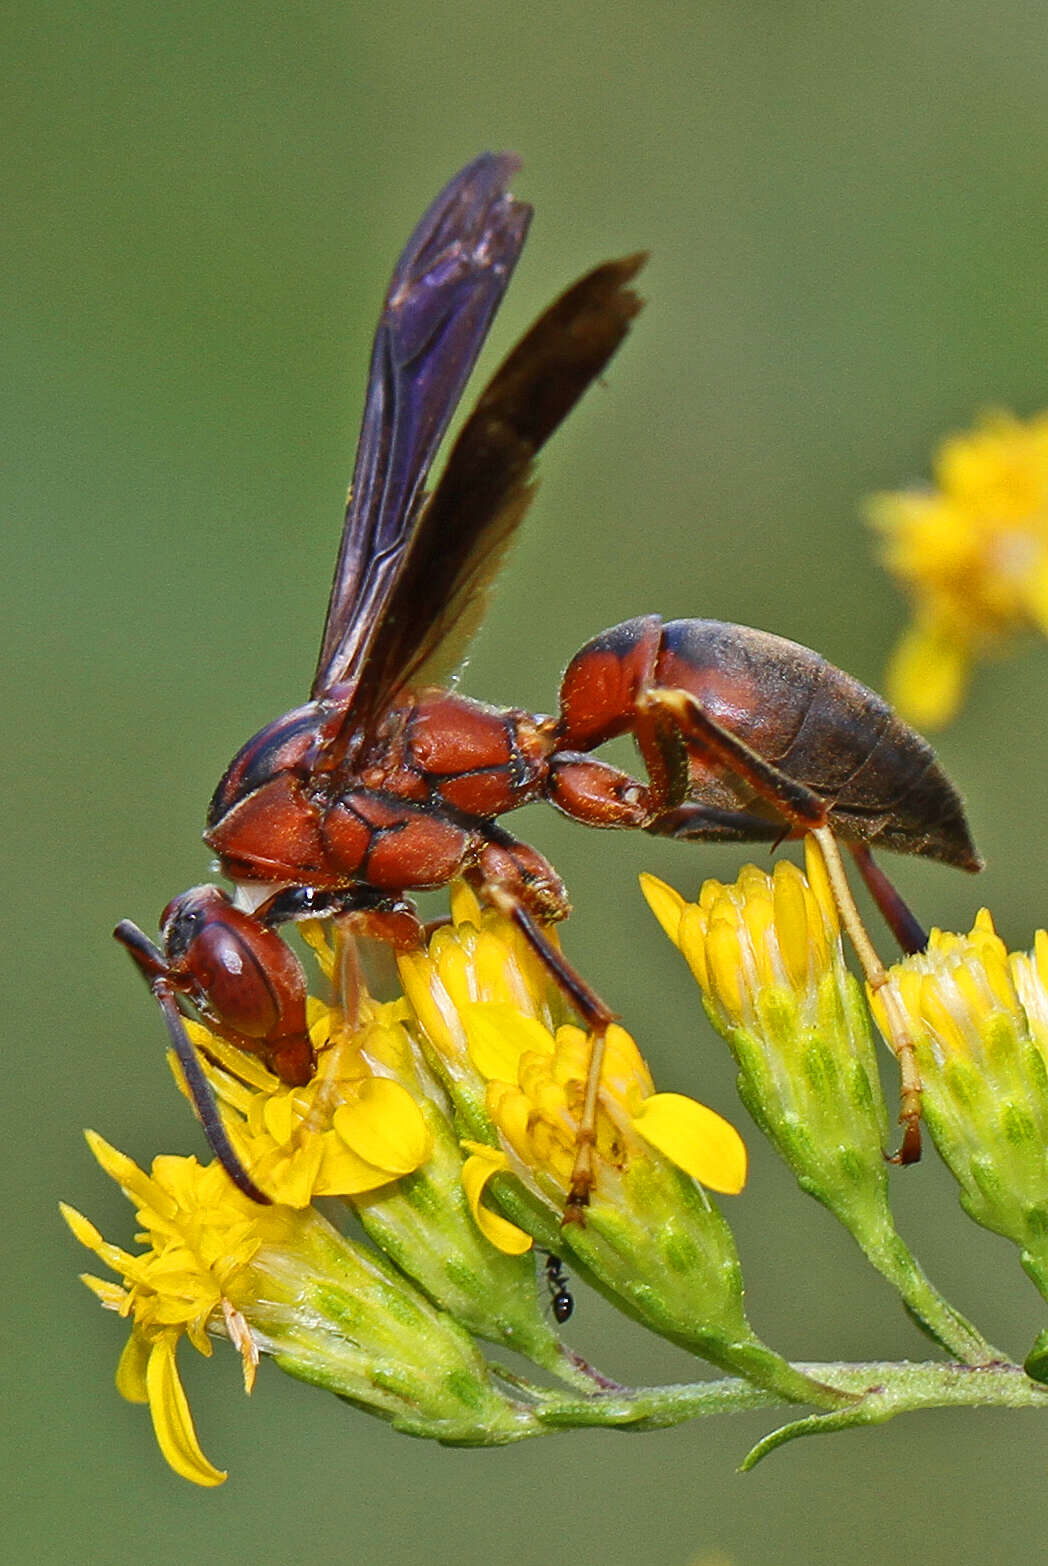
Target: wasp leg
(901,1038)
(517,881)
(597,1016)
(707,824)
(806,811)
(900,919)
(594,792)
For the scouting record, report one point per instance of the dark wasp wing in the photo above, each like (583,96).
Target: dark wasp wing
(468,521)
(445,289)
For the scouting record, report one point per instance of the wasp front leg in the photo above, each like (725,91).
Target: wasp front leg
(514,878)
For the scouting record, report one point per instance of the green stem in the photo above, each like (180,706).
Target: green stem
(769,1371)
(882,1389)
(885,1250)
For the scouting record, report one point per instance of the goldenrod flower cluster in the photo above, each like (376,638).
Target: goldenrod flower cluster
(416,1106)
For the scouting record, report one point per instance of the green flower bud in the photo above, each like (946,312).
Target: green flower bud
(979,1016)
(768,957)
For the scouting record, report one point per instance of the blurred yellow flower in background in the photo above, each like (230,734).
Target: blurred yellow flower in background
(971,551)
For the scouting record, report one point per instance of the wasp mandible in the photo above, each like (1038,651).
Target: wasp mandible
(386,783)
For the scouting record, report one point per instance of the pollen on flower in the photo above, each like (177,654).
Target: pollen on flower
(972,554)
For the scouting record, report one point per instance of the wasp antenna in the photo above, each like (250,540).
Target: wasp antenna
(201,1096)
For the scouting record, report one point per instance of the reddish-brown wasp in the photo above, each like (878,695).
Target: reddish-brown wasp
(384,783)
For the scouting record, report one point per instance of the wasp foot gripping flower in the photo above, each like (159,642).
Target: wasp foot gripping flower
(767,954)
(652,1239)
(283,1283)
(972,553)
(373,1127)
(980,1019)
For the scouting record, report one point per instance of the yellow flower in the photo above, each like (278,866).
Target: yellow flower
(356,1126)
(479,957)
(651,1236)
(973,555)
(979,1016)
(373,1126)
(776,932)
(960,991)
(286,1284)
(535,1090)
(489,1010)
(979,1012)
(200,1233)
(767,954)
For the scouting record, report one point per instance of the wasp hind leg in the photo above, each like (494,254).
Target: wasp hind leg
(805,811)
(708,824)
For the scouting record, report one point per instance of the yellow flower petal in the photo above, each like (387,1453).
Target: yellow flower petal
(499,1035)
(342,1173)
(314,933)
(465,908)
(421,984)
(694,924)
(727,951)
(478,1169)
(83,1229)
(240,1065)
(108,1294)
(666,904)
(120,1168)
(793,922)
(131,1371)
(278,1116)
(290,1174)
(384,1126)
(696,1139)
(819,884)
(172,1420)
(323,1021)
(928,674)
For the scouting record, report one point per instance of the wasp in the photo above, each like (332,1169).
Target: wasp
(385,782)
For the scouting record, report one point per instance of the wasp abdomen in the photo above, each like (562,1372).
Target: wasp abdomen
(813,722)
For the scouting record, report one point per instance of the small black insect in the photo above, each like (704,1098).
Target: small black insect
(561,1302)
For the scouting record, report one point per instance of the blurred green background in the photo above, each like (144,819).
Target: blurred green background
(846,210)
